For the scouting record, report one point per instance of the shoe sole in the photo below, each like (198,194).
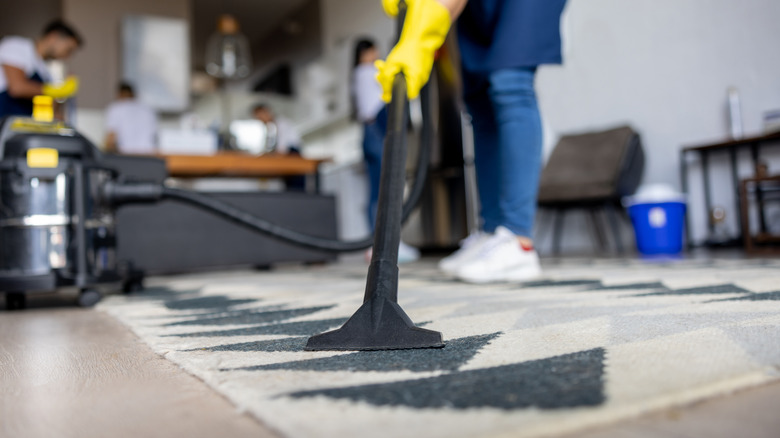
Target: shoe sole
(448,271)
(451,270)
(508,275)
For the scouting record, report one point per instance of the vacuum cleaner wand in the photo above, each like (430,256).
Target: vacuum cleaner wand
(380,323)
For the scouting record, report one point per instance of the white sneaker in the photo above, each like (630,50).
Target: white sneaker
(407,253)
(469,247)
(501,258)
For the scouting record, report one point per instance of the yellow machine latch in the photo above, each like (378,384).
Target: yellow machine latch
(43,157)
(43,108)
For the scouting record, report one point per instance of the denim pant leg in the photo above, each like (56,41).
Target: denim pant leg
(516,113)
(373,138)
(486,151)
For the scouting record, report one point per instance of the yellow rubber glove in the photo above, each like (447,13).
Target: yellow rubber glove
(63,90)
(391,7)
(426,26)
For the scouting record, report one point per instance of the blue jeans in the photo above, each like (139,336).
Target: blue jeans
(373,140)
(508,146)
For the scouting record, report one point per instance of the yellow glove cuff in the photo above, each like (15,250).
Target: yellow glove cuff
(390,7)
(425,29)
(63,90)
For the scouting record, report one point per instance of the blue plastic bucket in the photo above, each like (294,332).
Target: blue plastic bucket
(658,226)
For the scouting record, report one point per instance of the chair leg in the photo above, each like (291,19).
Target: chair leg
(557,230)
(598,229)
(614,223)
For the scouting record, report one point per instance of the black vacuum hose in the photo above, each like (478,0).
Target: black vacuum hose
(241,217)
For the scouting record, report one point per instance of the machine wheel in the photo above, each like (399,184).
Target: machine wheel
(89,297)
(133,286)
(15,301)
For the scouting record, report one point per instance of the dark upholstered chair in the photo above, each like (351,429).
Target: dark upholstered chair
(592,171)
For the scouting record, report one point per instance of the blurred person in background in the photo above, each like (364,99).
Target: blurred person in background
(131,125)
(24,73)
(283,138)
(502,42)
(283,135)
(370,111)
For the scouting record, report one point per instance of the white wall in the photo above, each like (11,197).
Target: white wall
(664,67)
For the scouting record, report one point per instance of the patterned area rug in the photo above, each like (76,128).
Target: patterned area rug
(594,342)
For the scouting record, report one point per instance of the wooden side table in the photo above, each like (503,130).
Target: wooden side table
(765,189)
(733,148)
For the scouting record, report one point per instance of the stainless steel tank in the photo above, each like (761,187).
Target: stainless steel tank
(35,223)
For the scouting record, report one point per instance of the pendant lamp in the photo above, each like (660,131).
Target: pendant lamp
(227,52)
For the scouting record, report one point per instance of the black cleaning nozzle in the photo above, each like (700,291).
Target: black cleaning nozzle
(380,323)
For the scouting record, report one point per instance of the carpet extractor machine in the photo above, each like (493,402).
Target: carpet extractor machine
(55,232)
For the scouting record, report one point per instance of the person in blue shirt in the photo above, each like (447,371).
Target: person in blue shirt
(502,42)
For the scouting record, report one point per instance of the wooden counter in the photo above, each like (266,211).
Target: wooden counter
(237,165)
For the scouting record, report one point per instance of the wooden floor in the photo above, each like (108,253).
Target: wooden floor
(68,372)
(749,414)
(79,373)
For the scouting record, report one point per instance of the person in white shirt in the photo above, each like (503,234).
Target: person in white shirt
(24,73)
(283,135)
(131,125)
(370,110)
(282,138)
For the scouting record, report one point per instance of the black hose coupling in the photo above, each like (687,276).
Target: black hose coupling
(117,193)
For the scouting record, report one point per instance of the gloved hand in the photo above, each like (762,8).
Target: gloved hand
(391,7)
(63,90)
(425,28)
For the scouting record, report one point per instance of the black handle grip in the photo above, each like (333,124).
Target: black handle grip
(399,20)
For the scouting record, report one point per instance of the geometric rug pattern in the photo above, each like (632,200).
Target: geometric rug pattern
(594,341)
